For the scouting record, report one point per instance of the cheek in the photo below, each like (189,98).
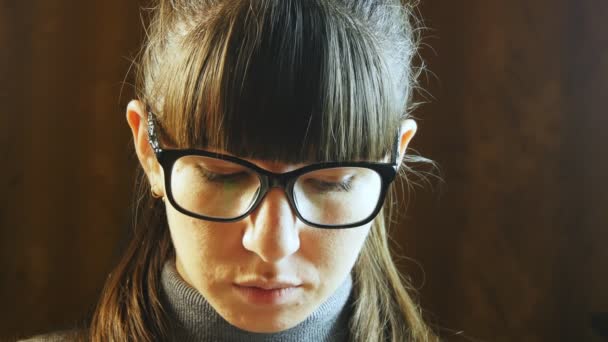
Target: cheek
(203,249)
(333,252)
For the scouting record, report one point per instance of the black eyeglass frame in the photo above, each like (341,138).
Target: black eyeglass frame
(167,157)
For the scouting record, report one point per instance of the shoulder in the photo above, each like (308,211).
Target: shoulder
(59,336)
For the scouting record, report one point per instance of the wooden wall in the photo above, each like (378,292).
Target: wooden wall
(512,245)
(67,164)
(513,249)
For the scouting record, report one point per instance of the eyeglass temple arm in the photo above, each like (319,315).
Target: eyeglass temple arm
(152,133)
(395,152)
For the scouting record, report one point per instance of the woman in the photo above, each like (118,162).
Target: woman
(268,132)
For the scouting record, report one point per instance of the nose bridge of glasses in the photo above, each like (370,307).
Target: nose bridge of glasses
(277,181)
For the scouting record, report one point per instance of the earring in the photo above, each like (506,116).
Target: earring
(155,192)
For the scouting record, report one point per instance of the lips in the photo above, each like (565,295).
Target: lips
(261,292)
(268,285)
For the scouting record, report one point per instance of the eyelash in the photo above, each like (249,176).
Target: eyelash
(218,177)
(329,186)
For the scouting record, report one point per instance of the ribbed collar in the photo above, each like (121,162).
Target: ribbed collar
(193,319)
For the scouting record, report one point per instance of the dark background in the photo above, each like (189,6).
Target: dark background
(512,245)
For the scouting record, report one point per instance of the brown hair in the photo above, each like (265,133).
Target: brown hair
(286,80)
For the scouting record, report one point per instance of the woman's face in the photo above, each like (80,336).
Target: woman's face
(269,271)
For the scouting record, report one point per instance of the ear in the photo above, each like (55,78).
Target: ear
(406,133)
(137,120)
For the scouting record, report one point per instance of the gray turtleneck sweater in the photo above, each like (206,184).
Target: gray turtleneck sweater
(192,319)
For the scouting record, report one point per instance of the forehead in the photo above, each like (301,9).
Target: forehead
(269,165)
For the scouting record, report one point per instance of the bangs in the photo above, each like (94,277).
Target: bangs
(291,81)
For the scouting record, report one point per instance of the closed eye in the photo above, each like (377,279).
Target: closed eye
(220,177)
(325,186)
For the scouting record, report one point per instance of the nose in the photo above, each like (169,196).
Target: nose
(271,232)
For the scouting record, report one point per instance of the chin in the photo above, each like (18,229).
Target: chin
(264,322)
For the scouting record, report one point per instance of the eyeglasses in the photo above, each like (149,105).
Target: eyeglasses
(222,188)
